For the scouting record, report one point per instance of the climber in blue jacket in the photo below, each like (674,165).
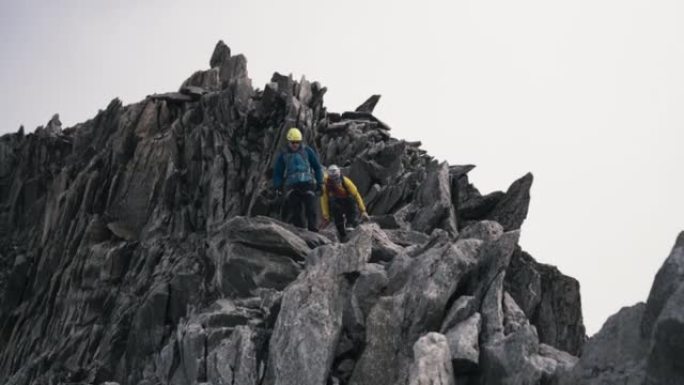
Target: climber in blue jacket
(298,171)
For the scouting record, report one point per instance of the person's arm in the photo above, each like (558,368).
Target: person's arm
(351,188)
(316,164)
(278,169)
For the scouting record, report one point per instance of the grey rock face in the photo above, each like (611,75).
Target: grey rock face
(464,307)
(483,230)
(512,360)
(144,247)
(557,363)
(668,280)
(381,343)
(464,344)
(549,299)
(383,247)
(367,289)
(431,361)
(234,360)
(615,355)
(495,258)
(664,363)
(241,270)
(264,234)
(514,317)
(475,206)
(397,322)
(308,328)
(406,238)
(434,203)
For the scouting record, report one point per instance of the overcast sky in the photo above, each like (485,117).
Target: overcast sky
(588,95)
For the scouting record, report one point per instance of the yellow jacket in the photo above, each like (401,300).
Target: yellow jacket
(351,190)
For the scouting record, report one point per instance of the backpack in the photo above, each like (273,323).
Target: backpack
(334,191)
(297,167)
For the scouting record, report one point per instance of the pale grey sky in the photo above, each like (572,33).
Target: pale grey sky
(586,94)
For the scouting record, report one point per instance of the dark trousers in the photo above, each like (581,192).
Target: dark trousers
(345,213)
(300,203)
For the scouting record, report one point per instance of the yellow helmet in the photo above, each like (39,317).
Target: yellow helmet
(294,135)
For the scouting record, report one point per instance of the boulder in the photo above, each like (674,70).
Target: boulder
(306,333)
(513,359)
(464,345)
(514,317)
(366,291)
(431,361)
(241,270)
(398,321)
(482,230)
(265,234)
(383,248)
(433,202)
(234,361)
(464,307)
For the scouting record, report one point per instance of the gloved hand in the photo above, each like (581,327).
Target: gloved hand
(365,217)
(319,189)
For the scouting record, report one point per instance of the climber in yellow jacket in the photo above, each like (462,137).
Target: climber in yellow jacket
(341,199)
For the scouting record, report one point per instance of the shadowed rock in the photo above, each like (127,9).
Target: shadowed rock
(669,278)
(543,293)
(664,362)
(464,307)
(221,54)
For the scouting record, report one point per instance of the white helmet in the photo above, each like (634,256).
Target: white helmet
(334,172)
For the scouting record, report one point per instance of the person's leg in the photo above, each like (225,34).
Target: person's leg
(310,208)
(295,208)
(351,212)
(337,213)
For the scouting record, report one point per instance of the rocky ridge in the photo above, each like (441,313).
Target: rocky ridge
(139,247)
(641,344)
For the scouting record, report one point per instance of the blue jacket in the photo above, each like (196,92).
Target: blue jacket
(299,166)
